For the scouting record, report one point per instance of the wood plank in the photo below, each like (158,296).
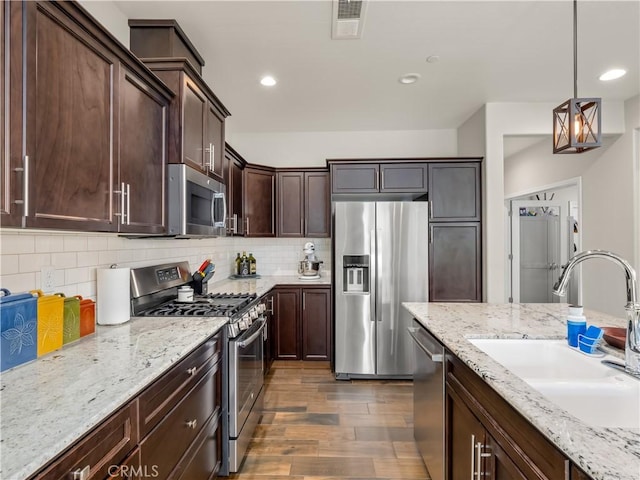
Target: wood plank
(333,466)
(406,450)
(384,433)
(339,407)
(318,432)
(306,418)
(400,467)
(356,420)
(356,449)
(266,465)
(273,447)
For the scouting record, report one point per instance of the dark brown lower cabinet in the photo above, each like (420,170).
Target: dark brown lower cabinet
(269,341)
(455,262)
(486,438)
(171,430)
(302,320)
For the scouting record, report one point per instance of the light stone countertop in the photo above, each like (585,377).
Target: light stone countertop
(603,453)
(48,404)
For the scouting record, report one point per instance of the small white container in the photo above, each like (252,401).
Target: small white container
(185,294)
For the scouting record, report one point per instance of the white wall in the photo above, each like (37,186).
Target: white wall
(110,17)
(311,149)
(76,256)
(472,143)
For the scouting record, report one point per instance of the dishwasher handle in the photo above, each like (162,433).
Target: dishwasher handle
(435,357)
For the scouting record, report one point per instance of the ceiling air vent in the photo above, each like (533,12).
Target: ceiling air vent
(348,19)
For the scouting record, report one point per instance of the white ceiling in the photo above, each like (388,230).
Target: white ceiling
(500,51)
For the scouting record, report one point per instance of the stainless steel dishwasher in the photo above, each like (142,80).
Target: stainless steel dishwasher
(428,399)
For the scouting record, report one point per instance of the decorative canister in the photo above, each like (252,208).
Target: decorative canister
(50,322)
(71,319)
(87,316)
(18,329)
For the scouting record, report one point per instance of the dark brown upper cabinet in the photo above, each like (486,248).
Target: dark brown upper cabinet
(84,162)
(454,192)
(303,203)
(259,184)
(196,117)
(232,175)
(379,178)
(162,39)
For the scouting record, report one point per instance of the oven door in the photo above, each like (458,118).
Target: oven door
(246,374)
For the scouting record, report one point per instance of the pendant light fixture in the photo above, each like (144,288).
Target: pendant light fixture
(576,123)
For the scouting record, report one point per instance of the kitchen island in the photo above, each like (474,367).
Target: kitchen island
(603,453)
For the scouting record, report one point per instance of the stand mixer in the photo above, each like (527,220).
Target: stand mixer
(309,268)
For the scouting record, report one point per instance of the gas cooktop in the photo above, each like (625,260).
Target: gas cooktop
(211,305)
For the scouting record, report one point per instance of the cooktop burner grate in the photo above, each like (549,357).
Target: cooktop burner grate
(211,305)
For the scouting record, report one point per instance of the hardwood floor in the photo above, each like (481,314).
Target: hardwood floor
(317,428)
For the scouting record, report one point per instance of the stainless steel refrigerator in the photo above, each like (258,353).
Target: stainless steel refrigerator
(380,259)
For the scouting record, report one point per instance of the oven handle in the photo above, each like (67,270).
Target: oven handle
(251,339)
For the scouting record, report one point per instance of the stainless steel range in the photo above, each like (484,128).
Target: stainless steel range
(155,294)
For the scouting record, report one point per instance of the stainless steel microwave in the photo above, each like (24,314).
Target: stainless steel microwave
(196,203)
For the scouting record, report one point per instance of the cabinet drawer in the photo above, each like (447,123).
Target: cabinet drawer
(166,444)
(104,447)
(157,400)
(202,461)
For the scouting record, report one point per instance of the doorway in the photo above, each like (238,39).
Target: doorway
(543,234)
(535,227)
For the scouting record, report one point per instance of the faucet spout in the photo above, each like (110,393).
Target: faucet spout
(632,345)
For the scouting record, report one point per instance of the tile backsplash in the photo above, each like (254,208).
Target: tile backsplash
(75,256)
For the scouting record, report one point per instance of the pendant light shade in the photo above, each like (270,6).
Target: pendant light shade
(576,123)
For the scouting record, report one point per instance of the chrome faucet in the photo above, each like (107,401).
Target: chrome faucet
(632,345)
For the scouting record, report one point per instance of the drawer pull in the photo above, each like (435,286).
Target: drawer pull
(191,371)
(192,423)
(81,473)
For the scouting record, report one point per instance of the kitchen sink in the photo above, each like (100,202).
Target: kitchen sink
(580,384)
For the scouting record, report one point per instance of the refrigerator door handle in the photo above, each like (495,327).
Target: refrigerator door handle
(378,274)
(373,287)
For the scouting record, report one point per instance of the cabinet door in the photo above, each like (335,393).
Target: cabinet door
(71,94)
(316,324)
(454,262)
(463,434)
(194,112)
(454,192)
(287,332)
(142,157)
(290,194)
(270,339)
(403,177)
(259,202)
(214,141)
(317,205)
(360,178)
(498,465)
(237,197)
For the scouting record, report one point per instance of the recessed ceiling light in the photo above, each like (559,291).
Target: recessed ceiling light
(268,81)
(409,78)
(612,74)
(433,58)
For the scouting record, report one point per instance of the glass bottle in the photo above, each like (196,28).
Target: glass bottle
(252,264)
(244,264)
(238,266)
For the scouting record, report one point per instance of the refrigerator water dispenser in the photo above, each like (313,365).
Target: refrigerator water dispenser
(355,273)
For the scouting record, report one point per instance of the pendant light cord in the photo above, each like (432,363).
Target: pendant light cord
(575,48)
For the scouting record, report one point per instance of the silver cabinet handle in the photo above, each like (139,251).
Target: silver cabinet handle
(191,371)
(377,182)
(25,186)
(473,457)
(210,150)
(122,214)
(270,309)
(304,300)
(192,423)
(247,232)
(381,179)
(235,223)
(478,459)
(81,473)
(128,204)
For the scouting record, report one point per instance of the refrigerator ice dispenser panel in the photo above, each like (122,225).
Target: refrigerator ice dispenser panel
(355,274)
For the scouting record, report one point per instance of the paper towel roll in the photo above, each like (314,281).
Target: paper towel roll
(113,291)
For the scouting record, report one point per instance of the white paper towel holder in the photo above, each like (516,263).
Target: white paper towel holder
(113,295)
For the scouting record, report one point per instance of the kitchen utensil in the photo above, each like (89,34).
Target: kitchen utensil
(185,294)
(18,329)
(615,336)
(204,265)
(50,322)
(310,266)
